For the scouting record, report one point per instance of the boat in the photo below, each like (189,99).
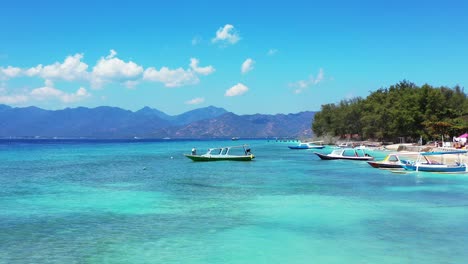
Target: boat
(234,153)
(424,163)
(345,154)
(307,145)
(235,138)
(391,161)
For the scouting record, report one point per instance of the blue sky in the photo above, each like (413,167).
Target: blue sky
(245,56)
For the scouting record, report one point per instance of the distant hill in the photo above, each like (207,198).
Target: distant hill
(114,122)
(245,126)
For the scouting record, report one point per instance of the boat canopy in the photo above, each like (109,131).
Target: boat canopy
(444,152)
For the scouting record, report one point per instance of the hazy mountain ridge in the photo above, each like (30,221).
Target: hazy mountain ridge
(114,122)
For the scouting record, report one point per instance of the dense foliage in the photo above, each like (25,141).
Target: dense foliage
(403,110)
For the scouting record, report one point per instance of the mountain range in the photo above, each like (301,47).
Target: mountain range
(114,122)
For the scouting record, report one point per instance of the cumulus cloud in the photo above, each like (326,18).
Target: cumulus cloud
(49,92)
(9,72)
(301,85)
(177,77)
(200,70)
(226,34)
(71,69)
(171,78)
(247,65)
(195,101)
(236,90)
(111,68)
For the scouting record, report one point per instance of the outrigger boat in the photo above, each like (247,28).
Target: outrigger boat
(235,153)
(308,145)
(391,161)
(423,163)
(346,154)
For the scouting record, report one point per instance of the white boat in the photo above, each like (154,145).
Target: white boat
(235,153)
(424,163)
(308,145)
(346,154)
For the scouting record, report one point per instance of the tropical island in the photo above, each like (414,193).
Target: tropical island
(403,112)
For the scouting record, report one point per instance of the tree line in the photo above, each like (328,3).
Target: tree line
(403,110)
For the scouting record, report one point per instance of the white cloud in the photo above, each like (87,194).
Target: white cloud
(236,90)
(34,71)
(171,78)
(200,70)
(71,69)
(13,99)
(226,34)
(9,72)
(301,85)
(177,77)
(272,52)
(247,65)
(111,68)
(49,92)
(195,101)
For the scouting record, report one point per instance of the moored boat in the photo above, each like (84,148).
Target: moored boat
(391,161)
(307,145)
(233,153)
(423,163)
(345,154)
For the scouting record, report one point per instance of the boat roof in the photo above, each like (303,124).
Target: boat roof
(444,152)
(240,146)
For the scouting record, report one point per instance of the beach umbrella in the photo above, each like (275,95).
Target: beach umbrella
(464,136)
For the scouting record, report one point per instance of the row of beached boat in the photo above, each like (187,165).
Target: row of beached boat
(424,160)
(420,161)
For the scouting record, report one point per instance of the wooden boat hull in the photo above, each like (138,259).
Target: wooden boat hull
(383,165)
(217,158)
(327,157)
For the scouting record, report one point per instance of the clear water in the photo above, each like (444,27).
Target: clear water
(144,202)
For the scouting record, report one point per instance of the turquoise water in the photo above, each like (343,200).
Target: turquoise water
(143,202)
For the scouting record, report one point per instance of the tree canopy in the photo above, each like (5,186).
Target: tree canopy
(403,110)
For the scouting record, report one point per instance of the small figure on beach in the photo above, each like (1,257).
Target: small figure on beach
(194,151)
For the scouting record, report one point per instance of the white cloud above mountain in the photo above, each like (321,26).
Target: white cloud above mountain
(236,90)
(171,78)
(46,92)
(177,77)
(195,101)
(108,69)
(200,70)
(111,68)
(71,69)
(13,99)
(49,92)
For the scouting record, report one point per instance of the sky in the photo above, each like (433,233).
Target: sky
(248,57)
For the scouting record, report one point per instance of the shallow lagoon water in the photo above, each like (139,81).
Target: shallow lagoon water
(144,202)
